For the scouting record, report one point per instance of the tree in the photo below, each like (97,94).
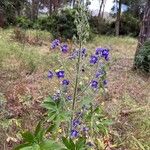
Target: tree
(100,9)
(144,34)
(12,9)
(118,18)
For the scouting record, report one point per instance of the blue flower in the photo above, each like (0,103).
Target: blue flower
(83,52)
(65,82)
(102,52)
(60,74)
(50,74)
(85,129)
(89,144)
(105,54)
(100,73)
(55,43)
(93,59)
(74,133)
(76,122)
(105,82)
(64,48)
(74,55)
(94,84)
(99,51)
(69,98)
(56,96)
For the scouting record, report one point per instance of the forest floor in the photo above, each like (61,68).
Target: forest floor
(25,59)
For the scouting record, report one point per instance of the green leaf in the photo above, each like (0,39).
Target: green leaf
(66,142)
(22,146)
(29,147)
(86,101)
(73,146)
(51,128)
(80,143)
(51,145)
(49,105)
(38,128)
(28,137)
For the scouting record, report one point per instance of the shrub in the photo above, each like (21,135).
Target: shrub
(24,22)
(142,60)
(129,25)
(43,23)
(63,24)
(60,24)
(101,26)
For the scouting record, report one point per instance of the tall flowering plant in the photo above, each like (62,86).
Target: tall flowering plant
(76,119)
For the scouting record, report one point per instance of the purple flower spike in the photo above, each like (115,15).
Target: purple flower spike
(60,74)
(94,84)
(93,59)
(74,133)
(65,82)
(64,48)
(50,74)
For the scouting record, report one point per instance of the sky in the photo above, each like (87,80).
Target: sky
(95,5)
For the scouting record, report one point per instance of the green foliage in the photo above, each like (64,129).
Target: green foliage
(10,8)
(101,26)
(37,141)
(80,144)
(129,25)
(24,22)
(43,23)
(56,111)
(98,121)
(63,24)
(60,24)
(142,59)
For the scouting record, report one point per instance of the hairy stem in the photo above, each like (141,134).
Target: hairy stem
(76,86)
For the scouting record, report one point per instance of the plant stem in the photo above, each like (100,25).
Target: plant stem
(76,86)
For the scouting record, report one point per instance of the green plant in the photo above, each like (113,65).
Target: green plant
(76,120)
(37,141)
(24,22)
(142,60)
(101,26)
(63,24)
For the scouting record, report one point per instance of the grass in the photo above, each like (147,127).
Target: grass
(24,84)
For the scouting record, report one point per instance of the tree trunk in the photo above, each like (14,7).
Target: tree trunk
(118,18)
(35,9)
(145,28)
(144,31)
(103,8)
(1,18)
(50,7)
(100,9)
(74,2)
